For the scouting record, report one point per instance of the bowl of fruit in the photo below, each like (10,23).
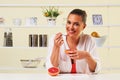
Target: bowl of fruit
(99,40)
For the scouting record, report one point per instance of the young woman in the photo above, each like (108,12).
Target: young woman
(82,56)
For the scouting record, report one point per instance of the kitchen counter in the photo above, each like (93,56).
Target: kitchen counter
(38,76)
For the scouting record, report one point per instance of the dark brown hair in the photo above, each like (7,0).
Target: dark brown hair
(81,13)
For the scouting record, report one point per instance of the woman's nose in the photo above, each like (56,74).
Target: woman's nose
(71,26)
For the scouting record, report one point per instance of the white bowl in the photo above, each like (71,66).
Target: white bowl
(100,40)
(29,63)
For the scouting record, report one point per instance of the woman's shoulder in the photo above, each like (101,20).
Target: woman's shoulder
(88,39)
(86,36)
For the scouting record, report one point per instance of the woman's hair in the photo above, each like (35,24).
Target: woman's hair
(81,13)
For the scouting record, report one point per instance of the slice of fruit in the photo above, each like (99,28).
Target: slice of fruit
(95,34)
(53,71)
(69,51)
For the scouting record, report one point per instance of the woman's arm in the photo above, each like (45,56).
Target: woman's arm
(55,56)
(58,41)
(91,62)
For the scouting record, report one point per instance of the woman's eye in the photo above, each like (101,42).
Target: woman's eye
(68,22)
(76,24)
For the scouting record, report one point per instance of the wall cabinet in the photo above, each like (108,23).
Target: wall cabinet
(11,55)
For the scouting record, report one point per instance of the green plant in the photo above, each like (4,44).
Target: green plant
(51,12)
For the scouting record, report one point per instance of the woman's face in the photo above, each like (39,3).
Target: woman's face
(74,25)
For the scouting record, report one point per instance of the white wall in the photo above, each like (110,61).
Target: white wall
(10,57)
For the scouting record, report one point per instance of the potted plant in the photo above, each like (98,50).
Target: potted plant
(51,13)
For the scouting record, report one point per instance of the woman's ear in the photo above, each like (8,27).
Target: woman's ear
(84,26)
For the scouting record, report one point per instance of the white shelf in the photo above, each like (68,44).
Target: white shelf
(23,47)
(47,47)
(36,26)
(103,25)
(24,69)
(64,5)
(109,47)
(54,26)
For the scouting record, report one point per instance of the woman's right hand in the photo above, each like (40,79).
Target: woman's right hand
(58,41)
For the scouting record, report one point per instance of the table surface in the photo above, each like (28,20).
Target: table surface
(38,76)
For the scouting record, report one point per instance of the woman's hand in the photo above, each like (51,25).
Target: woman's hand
(75,54)
(58,41)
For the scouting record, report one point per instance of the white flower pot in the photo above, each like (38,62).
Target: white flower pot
(51,21)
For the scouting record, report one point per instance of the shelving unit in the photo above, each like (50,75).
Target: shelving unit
(22,51)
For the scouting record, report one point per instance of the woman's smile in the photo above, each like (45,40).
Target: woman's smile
(71,32)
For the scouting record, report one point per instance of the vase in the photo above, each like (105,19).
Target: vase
(51,21)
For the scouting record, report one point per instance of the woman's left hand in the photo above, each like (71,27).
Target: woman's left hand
(78,54)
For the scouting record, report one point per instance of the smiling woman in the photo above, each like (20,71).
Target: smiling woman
(85,59)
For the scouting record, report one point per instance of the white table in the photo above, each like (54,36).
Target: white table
(45,76)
